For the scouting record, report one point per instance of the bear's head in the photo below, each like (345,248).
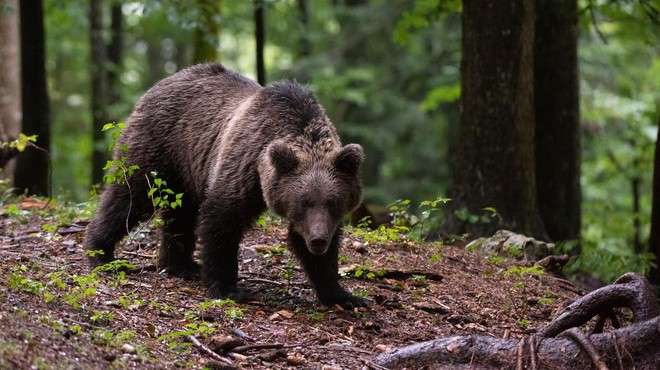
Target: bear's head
(314,194)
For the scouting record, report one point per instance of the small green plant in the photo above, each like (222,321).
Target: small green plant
(316,317)
(268,218)
(523,323)
(117,171)
(21,143)
(288,269)
(230,310)
(17,282)
(361,293)
(161,196)
(435,257)
(101,318)
(421,228)
(419,279)
(15,213)
(517,272)
(85,287)
(382,234)
(117,269)
(368,272)
(489,214)
(275,251)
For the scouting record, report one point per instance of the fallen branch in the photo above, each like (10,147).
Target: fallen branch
(210,353)
(570,350)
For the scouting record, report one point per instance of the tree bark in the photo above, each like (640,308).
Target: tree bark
(99,101)
(32,173)
(305,42)
(10,83)
(115,53)
(495,164)
(260,38)
(207,33)
(654,239)
(557,114)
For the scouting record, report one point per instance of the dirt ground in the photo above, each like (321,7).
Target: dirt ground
(56,314)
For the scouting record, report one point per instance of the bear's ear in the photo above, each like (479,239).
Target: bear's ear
(282,157)
(349,159)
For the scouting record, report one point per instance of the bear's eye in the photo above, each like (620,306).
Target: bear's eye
(331,203)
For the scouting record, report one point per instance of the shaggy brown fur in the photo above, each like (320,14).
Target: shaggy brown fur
(233,148)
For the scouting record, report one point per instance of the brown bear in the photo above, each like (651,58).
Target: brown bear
(234,148)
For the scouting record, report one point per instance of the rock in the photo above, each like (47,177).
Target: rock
(509,244)
(127,348)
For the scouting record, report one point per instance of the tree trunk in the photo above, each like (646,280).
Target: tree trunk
(260,36)
(557,113)
(99,89)
(115,53)
(305,42)
(10,83)
(33,165)
(654,239)
(207,32)
(495,146)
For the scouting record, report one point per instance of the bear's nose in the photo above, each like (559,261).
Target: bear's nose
(319,242)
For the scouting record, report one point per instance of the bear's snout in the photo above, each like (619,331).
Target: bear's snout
(318,231)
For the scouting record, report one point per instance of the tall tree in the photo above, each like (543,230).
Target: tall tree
(33,166)
(10,80)
(305,42)
(260,38)
(207,31)
(557,114)
(654,239)
(495,146)
(115,52)
(99,100)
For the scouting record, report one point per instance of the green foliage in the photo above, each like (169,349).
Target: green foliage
(161,196)
(231,311)
(381,235)
(465,215)
(19,144)
(117,171)
(620,116)
(368,272)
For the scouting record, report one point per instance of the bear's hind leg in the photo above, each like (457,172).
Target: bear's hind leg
(323,272)
(178,242)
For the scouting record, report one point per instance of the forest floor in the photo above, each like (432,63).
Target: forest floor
(55,313)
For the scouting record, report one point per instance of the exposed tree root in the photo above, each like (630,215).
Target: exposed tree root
(559,345)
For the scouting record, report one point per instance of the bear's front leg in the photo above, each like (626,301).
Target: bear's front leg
(221,225)
(323,272)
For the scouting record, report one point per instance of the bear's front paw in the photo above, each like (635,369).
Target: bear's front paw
(187,269)
(97,259)
(219,291)
(344,299)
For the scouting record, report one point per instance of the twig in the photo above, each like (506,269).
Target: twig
(259,280)
(593,19)
(209,352)
(374,365)
(240,333)
(586,345)
(250,347)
